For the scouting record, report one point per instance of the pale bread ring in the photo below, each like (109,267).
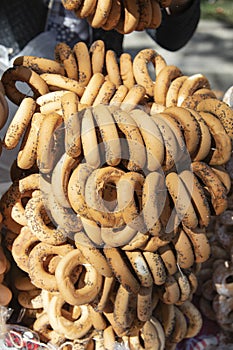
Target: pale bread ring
(190,85)
(82,56)
(105,93)
(145,14)
(64,54)
(92,89)
(126,70)
(97,54)
(133,98)
(112,68)
(173,91)
(114,15)
(63,83)
(39,64)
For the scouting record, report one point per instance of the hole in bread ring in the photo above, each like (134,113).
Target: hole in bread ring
(92,279)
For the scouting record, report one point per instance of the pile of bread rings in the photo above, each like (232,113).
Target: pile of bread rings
(125,16)
(116,180)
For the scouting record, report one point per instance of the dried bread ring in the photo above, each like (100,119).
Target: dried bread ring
(194,318)
(45,151)
(109,134)
(184,285)
(27,154)
(152,138)
(72,329)
(39,64)
(169,259)
(20,122)
(126,70)
(112,68)
(190,85)
(72,124)
(220,110)
(97,54)
(108,285)
(189,125)
(156,267)
(145,15)
(89,140)
(86,8)
(37,224)
(105,93)
(95,188)
(84,293)
(5,295)
(60,179)
(118,97)
(102,10)
(153,201)
(38,275)
(184,250)
(76,189)
(140,69)
(217,191)
(166,316)
(180,329)
(121,312)
(200,243)
(82,56)
(133,151)
(114,15)
(140,267)
(20,73)
(30,299)
(133,98)
(223,175)
(43,328)
(222,141)
(62,83)
(93,255)
(121,270)
(3,261)
(129,17)
(170,291)
(173,91)
(65,56)
(129,185)
(163,82)
(117,237)
(71,4)
(198,196)
(137,242)
(92,89)
(182,200)
(156,17)
(53,96)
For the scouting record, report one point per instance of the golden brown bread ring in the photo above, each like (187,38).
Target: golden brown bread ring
(137,242)
(97,54)
(74,328)
(92,89)
(145,15)
(86,8)
(20,73)
(71,4)
(152,138)
(173,91)
(36,264)
(19,123)
(156,17)
(101,13)
(133,98)
(126,70)
(169,258)
(200,243)
(163,82)
(117,237)
(95,197)
(60,178)
(114,15)
(219,109)
(43,328)
(139,265)
(72,124)
(39,64)
(109,134)
(122,272)
(217,191)
(190,85)
(37,224)
(121,312)
(222,141)
(130,17)
(224,176)
(89,139)
(62,83)
(194,318)
(129,185)
(140,69)
(133,150)
(179,331)
(27,154)
(198,196)
(5,295)
(45,151)
(118,97)
(93,255)
(189,125)
(82,56)
(153,201)
(83,294)
(105,93)
(30,299)
(76,189)
(112,68)
(182,200)
(156,267)
(144,303)
(166,316)
(184,250)
(170,292)
(65,56)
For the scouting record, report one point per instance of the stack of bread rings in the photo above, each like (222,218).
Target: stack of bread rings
(125,16)
(113,189)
